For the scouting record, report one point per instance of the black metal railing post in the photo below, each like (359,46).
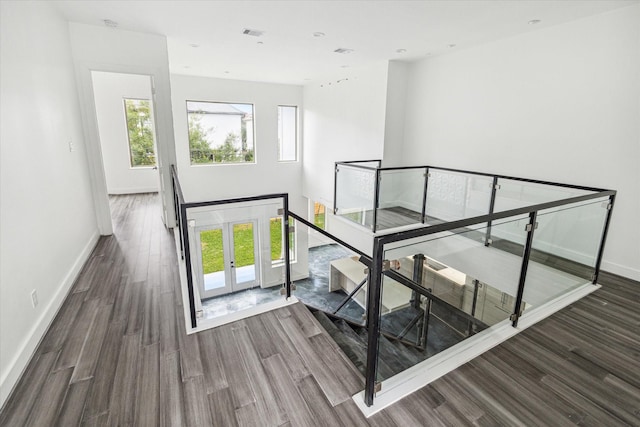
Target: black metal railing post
(374,296)
(376,201)
(605,231)
(492,204)
(287,260)
(424,195)
(335,189)
(523,269)
(187,263)
(418,268)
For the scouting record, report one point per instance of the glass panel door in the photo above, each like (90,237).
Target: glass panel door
(213,257)
(228,258)
(243,265)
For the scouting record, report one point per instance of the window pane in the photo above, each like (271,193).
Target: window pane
(276,232)
(220,132)
(319,215)
(140,131)
(287,133)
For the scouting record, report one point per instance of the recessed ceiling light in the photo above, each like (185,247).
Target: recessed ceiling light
(319,34)
(343,50)
(534,22)
(260,43)
(450,46)
(254,33)
(344,66)
(226,72)
(194,45)
(186,67)
(401,50)
(110,23)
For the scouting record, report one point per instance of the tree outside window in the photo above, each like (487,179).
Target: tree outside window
(220,132)
(140,131)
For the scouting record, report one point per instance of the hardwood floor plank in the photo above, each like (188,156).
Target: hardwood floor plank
(196,402)
(123,394)
(18,406)
(77,335)
(248,416)
(92,345)
(168,328)
(190,364)
(147,412)
(62,324)
(73,406)
(262,386)
(171,391)
(47,406)
(236,371)
(222,409)
(100,394)
(287,394)
(210,354)
(317,402)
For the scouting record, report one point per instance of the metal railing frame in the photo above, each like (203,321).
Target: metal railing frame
(183,227)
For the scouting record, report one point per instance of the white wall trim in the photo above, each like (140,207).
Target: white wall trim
(136,190)
(37,332)
(620,270)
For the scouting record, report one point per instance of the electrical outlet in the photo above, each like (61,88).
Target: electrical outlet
(72,147)
(34,298)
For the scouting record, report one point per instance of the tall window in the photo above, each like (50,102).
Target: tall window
(277,232)
(140,130)
(220,132)
(287,133)
(319,215)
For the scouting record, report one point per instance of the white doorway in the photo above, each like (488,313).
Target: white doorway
(125,117)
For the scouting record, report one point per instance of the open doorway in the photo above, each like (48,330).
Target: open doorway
(127,133)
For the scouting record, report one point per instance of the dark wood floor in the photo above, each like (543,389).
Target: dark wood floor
(117,354)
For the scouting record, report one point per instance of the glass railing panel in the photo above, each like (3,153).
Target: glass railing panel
(355,193)
(469,288)
(454,195)
(325,273)
(513,194)
(400,199)
(564,249)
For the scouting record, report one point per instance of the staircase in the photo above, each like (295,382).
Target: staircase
(394,357)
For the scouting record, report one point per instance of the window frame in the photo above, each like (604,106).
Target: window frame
(222,163)
(296,135)
(153,133)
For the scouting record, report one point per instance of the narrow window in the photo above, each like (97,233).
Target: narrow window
(319,215)
(220,133)
(276,232)
(287,133)
(140,130)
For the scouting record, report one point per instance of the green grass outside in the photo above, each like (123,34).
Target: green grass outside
(212,254)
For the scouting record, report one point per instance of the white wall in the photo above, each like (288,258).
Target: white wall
(114,50)
(47,220)
(267,175)
(342,121)
(109,90)
(560,104)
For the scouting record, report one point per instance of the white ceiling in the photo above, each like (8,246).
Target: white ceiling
(289,52)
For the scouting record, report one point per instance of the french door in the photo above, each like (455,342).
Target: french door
(228,260)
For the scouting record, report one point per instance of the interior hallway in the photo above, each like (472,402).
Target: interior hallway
(117,354)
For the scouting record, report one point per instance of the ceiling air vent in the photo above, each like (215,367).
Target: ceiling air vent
(254,33)
(343,50)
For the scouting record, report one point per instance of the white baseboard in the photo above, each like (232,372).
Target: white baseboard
(136,190)
(40,327)
(621,270)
